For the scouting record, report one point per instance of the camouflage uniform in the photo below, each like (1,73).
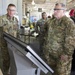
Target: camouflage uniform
(10,26)
(73,18)
(59,40)
(1,60)
(40,29)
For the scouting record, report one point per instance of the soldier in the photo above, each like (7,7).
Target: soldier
(40,28)
(9,22)
(10,26)
(59,41)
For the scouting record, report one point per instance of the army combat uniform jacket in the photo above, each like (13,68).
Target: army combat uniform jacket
(10,26)
(59,40)
(40,26)
(40,29)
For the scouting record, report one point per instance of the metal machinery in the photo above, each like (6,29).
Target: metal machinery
(24,60)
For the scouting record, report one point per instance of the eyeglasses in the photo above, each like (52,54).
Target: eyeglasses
(11,10)
(58,9)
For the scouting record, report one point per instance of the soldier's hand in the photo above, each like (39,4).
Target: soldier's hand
(64,57)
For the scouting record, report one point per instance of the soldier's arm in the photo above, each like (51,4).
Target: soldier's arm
(45,44)
(46,27)
(69,41)
(36,27)
(0,21)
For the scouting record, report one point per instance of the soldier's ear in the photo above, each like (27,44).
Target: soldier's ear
(7,9)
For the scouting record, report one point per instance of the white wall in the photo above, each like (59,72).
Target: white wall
(19,10)
(0,7)
(4,4)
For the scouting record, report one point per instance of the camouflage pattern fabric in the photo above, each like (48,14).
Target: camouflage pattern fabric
(1,72)
(1,60)
(39,28)
(73,18)
(59,40)
(10,26)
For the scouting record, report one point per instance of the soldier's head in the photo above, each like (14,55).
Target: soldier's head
(59,10)
(11,10)
(44,15)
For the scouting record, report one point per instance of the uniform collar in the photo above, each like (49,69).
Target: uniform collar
(9,18)
(61,18)
(44,19)
(58,21)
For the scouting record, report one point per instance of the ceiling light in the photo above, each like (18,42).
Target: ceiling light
(33,3)
(69,1)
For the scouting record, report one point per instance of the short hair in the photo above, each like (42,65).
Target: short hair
(62,5)
(49,16)
(11,5)
(43,13)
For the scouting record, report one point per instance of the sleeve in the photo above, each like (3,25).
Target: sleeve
(1,21)
(69,44)
(36,27)
(46,26)
(1,72)
(45,46)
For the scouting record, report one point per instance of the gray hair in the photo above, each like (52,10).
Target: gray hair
(43,13)
(63,5)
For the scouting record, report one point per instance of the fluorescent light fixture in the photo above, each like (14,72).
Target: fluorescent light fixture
(69,1)
(33,3)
